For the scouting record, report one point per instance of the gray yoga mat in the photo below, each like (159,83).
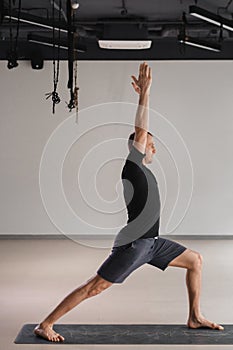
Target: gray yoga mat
(129,334)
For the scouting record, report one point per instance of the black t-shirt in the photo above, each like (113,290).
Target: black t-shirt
(142,200)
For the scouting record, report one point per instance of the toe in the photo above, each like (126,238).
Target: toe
(61,337)
(217,326)
(221,328)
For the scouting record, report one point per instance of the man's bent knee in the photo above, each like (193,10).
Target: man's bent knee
(97,285)
(195,261)
(188,259)
(200,258)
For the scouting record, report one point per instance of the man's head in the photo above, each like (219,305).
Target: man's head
(150,147)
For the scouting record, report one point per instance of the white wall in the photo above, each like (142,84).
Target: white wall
(195,97)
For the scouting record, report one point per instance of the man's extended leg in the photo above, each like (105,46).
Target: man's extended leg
(92,287)
(193,262)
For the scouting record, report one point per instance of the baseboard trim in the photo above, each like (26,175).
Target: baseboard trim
(106,237)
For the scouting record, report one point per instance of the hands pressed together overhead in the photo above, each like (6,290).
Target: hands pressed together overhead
(143,83)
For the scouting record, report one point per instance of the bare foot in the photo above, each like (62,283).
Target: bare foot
(48,333)
(201,322)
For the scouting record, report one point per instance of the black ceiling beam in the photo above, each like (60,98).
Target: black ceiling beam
(167,49)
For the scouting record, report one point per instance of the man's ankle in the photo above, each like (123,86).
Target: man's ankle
(195,315)
(45,324)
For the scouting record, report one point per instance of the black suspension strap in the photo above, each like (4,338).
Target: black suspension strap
(182,47)
(71,103)
(12,56)
(10,27)
(56,65)
(76,88)
(17,30)
(220,37)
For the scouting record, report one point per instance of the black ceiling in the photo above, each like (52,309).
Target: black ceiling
(162,18)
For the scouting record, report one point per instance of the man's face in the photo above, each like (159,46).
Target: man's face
(150,150)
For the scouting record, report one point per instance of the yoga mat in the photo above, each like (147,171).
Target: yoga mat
(129,334)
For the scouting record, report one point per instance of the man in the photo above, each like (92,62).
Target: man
(138,242)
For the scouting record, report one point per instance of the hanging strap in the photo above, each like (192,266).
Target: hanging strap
(76,88)
(55,98)
(71,104)
(12,63)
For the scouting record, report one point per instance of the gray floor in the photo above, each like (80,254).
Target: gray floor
(36,274)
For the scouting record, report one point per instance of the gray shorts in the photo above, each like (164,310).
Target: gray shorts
(123,260)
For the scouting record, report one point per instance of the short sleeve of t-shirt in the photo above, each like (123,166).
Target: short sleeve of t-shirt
(135,156)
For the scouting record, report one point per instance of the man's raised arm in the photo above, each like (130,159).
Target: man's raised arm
(142,87)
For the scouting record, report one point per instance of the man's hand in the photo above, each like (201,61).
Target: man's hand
(143,83)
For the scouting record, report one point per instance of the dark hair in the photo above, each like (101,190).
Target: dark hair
(131,138)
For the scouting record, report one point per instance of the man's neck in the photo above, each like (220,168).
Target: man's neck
(143,162)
